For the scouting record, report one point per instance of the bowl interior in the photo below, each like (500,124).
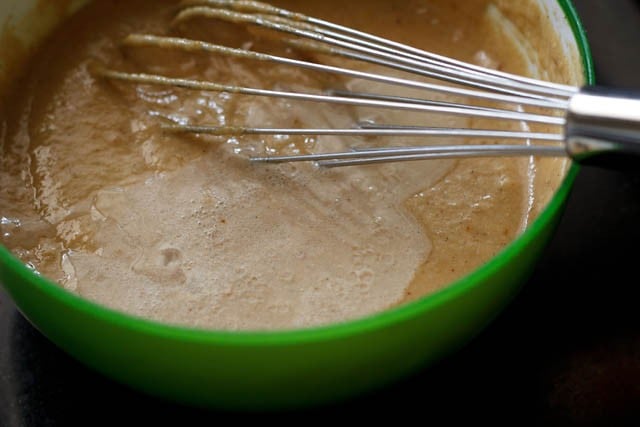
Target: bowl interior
(314,360)
(28,22)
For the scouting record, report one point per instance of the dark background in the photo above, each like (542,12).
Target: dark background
(565,353)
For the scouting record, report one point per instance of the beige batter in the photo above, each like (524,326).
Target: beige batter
(182,229)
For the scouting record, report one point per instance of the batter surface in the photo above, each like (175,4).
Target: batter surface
(182,229)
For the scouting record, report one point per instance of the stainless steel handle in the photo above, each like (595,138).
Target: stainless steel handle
(603,127)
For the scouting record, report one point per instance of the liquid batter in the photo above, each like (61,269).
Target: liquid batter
(182,229)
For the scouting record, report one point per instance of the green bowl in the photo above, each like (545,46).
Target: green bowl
(271,370)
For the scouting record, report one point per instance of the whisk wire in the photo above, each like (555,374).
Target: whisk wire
(368,130)
(259,7)
(433,107)
(404,154)
(145,40)
(378,54)
(506,94)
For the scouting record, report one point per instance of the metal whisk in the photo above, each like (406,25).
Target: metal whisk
(589,124)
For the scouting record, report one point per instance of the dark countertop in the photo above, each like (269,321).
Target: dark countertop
(566,352)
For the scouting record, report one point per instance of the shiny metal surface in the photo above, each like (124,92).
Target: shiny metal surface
(603,124)
(597,125)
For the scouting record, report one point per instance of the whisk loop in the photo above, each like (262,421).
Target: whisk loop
(558,106)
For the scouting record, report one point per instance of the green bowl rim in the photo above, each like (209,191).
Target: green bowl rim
(338,330)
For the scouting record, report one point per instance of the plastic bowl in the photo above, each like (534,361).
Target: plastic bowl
(270,370)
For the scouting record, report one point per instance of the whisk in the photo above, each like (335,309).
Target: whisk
(590,124)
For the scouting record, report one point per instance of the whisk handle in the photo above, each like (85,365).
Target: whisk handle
(603,127)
